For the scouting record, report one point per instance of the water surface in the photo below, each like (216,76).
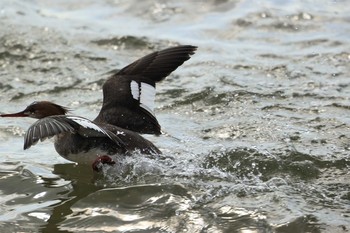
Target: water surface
(256,123)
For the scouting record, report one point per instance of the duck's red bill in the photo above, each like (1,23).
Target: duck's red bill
(18,114)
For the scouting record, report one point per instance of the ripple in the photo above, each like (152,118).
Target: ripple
(260,116)
(135,208)
(124,42)
(307,223)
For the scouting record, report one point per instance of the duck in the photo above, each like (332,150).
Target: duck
(127,112)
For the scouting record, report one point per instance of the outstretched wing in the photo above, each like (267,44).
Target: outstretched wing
(54,125)
(158,65)
(46,128)
(128,96)
(87,128)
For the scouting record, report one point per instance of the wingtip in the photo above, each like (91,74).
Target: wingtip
(193,49)
(27,143)
(190,49)
(25,146)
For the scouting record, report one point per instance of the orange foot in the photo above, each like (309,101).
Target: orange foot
(103,159)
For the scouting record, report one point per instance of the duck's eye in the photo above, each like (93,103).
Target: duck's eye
(29,113)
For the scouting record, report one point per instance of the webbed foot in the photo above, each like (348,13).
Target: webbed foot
(103,159)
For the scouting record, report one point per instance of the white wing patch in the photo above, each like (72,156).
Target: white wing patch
(86,123)
(91,127)
(135,90)
(120,133)
(145,94)
(148,94)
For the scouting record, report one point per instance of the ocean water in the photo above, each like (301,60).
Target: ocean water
(256,123)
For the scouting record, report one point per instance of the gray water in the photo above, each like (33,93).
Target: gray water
(256,123)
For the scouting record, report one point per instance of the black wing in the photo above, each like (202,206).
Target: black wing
(54,125)
(158,65)
(128,96)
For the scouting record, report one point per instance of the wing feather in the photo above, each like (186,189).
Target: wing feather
(88,128)
(54,125)
(124,104)
(157,65)
(45,128)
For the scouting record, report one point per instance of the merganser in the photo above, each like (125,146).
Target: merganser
(127,110)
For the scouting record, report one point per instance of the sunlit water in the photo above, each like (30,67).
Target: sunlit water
(256,123)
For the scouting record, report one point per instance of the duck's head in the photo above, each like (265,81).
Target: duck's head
(39,109)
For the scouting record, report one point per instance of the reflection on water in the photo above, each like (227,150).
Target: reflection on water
(255,123)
